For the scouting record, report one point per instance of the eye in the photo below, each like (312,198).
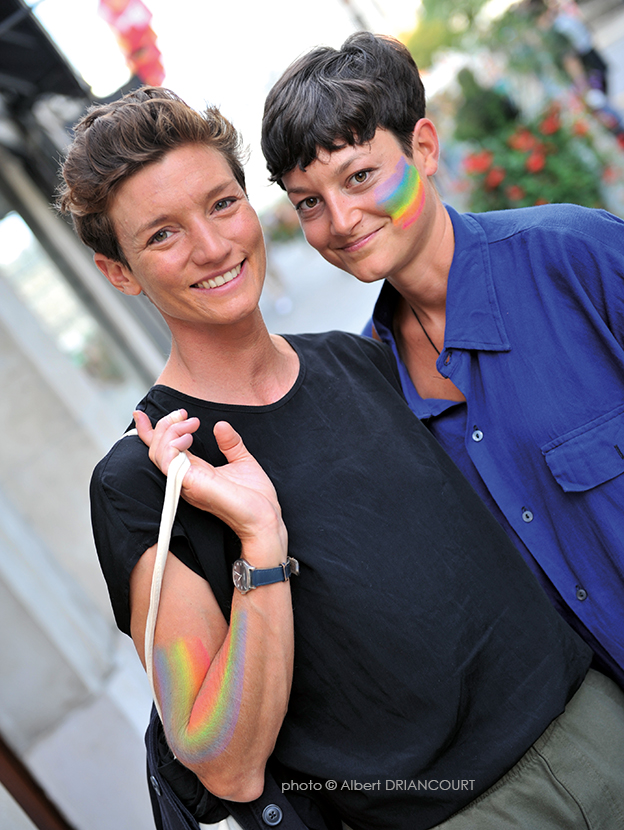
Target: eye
(307,204)
(360,177)
(222,204)
(159,236)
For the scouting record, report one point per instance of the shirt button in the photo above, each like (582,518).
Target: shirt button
(527,516)
(477,435)
(581,593)
(272,815)
(155,784)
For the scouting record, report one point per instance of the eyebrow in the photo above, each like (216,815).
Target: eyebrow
(163,218)
(339,171)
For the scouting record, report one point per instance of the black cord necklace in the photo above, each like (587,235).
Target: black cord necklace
(425,331)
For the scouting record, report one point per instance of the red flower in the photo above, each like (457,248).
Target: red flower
(535,162)
(610,175)
(494,177)
(580,127)
(551,123)
(515,192)
(478,162)
(542,201)
(522,140)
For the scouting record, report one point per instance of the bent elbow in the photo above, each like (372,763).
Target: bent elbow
(249,791)
(243,787)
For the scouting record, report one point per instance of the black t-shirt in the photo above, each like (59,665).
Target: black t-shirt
(425,651)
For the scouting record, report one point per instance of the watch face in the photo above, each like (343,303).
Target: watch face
(240,576)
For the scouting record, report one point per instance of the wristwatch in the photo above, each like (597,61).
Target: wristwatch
(246,577)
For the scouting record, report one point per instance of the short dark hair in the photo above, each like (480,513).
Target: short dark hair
(329,98)
(115,140)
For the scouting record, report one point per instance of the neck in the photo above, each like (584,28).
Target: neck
(241,364)
(423,282)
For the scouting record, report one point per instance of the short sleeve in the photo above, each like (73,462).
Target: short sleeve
(127,492)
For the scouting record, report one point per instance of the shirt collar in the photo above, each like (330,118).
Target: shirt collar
(382,330)
(473,318)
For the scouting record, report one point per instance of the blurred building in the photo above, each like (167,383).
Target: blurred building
(73,362)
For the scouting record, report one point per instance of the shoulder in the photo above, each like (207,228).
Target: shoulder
(587,226)
(332,350)
(126,469)
(342,344)
(126,472)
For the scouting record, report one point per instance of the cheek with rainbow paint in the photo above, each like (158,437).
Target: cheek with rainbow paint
(402,196)
(200,724)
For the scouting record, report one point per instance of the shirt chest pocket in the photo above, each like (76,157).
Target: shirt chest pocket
(589,455)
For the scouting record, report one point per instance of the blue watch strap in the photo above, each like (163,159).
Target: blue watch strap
(267,576)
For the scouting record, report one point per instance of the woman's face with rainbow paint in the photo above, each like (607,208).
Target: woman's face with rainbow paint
(361,207)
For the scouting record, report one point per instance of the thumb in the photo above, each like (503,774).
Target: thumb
(229,441)
(143,426)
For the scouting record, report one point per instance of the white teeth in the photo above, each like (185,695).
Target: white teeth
(222,278)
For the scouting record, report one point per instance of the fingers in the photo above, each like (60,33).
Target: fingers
(229,441)
(171,435)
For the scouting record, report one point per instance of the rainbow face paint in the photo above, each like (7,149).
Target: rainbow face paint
(201,725)
(402,196)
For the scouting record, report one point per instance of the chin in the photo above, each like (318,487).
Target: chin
(369,276)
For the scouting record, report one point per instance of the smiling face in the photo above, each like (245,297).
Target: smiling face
(193,242)
(368,208)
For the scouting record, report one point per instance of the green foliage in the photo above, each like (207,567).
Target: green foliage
(446,9)
(515,161)
(482,111)
(442,25)
(529,45)
(428,38)
(542,162)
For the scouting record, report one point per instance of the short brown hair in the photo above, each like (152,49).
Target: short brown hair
(115,140)
(333,97)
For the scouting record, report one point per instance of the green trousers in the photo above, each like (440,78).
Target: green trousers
(572,777)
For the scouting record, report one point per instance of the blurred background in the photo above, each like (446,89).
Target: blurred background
(528,99)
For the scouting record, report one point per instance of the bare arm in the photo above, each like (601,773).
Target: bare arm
(223,689)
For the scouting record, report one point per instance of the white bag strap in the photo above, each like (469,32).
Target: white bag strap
(175,477)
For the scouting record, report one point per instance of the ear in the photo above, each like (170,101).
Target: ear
(117,274)
(426,145)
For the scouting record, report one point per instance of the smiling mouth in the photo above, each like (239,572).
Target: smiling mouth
(222,279)
(358,243)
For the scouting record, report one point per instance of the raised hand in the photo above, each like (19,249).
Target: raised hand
(239,492)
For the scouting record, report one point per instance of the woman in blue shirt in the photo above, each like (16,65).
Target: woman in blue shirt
(508,327)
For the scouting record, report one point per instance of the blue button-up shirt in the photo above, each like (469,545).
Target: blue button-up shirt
(534,340)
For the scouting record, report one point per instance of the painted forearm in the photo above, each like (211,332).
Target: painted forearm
(200,711)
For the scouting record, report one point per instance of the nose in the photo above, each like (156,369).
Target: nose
(345,215)
(208,243)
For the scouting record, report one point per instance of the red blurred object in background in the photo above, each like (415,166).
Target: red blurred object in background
(131,22)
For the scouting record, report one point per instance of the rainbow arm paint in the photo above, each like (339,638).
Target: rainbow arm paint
(201,714)
(402,196)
